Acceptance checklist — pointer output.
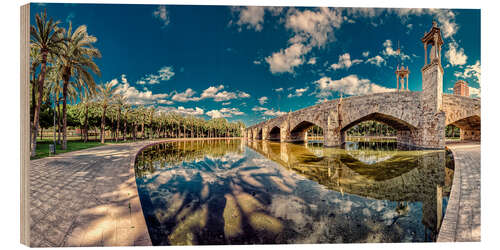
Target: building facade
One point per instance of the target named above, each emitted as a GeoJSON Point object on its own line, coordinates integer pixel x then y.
{"type": "Point", "coordinates": [461, 88]}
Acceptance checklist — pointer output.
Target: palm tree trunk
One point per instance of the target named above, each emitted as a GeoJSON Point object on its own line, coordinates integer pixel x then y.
{"type": "Point", "coordinates": [142, 130]}
{"type": "Point", "coordinates": [135, 131]}
{"type": "Point", "coordinates": [54, 121]}
{"type": "Point", "coordinates": [86, 137]}
{"type": "Point", "coordinates": [33, 99]}
{"type": "Point", "coordinates": [36, 115]}
{"type": "Point", "coordinates": [58, 122]}
{"type": "Point", "coordinates": [65, 94]}
{"type": "Point", "coordinates": [125, 128]}
{"type": "Point", "coordinates": [103, 120]}
{"type": "Point", "coordinates": [118, 124]}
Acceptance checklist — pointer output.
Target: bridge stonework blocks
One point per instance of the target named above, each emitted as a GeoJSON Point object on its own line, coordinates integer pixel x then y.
{"type": "Point", "coordinates": [405, 111]}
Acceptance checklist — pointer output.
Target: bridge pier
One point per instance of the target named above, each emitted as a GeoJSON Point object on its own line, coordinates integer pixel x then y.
{"type": "Point", "coordinates": [334, 138]}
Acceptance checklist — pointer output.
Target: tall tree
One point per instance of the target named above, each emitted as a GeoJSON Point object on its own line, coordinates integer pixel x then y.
{"type": "Point", "coordinates": [77, 59]}
{"type": "Point", "coordinates": [121, 100]}
{"type": "Point", "coordinates": [47, 37]}
{"type": "Point", "coordinates": [106, 92]}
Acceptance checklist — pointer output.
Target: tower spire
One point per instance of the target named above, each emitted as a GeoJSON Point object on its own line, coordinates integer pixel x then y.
{"type": "Point", "coordinates": [401, 73]}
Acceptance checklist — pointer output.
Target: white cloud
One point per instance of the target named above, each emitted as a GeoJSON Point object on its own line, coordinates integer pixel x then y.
{"type": "Point", "coordinates": [286, 60]}
{"type": "Point", "coordinates": [366, 53]}
{"type": "Point", "coordinates": [263, 100]}
{"type": "Point", "coordinates": [312, 61]}
{"type": "Point", "coordinates": [137, 97]}
{"type": "Point", "coordinates": [256, 108]}
{"type": "Point", "coordinates": [349, 85]}
{"type": "Point", "coordinates": [389, 51]}
{"type": "Point", "coordinates": [252, 17]}
{"type": "Point", "coordinates": [345, 62]}
{"type": "Point", "coordinates": [242, 94]}
{"type": "Point", "coordinates": [211, 92]}
{"type": "Point", "coordinates": [187, 95]}
{"type": "Point", "coordinates": [471, 72]}
{"type": "Point", "coordinates": [224, 112]}
{"type": "Point", "coordinates": [298, 92]}
{"type": "Point", "coordinates": [278, 89]}
{"type": "Point", "coordinates": [181, 110]}
{"type": "Point", "coordinates": [314, 28]}
{"type": "Point", "coordinates": [271, 112]}
{"type": "Point", "coordinates": [474, 92]}
{"type": "Point", "coordinates": [257, 62]}
{"type": "Point", "coordinates": [163, 74]}
{"type": "Point", "coordinates": [226, 103]}
{"type": "Point", "coordinates": [165, 102]}
{"type": "Point", "coordinates": [217, 95]}
{"type": "Point", "coordinates": [268, 112]}
{"type": "Point", "coordinates": [455, 56]}
{"type": "Point", "coordinates": [445, 18]}
{"type": "Point", "coordinates": [311, 29]}
{"type": "Point", "coordinates": [162, 14]}
{"type": "Point", "coordinates": [376, 60]}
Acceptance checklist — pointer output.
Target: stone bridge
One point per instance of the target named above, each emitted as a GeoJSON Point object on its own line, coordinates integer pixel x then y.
{"type": "Point", "coordinates": [420, 118]}
{"type": "Point", "coordinates": [404, 111]}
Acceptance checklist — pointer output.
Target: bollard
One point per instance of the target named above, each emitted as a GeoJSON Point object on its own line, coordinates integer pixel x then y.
{"type": "Point", "coordinates": [52, 149]}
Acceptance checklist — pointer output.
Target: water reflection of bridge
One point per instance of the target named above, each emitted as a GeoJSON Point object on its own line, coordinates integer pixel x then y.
{"type": "Point", "coordinates": [404, 176]}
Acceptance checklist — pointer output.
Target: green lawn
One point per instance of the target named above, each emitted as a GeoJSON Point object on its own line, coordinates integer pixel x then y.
{"type": "Point", "coordinates": [42, 147]}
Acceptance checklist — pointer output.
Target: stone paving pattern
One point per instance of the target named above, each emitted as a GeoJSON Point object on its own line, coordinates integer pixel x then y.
{"type": "Point", "coordinates": [462, 221]}
{"type": "Point", "coordinates": [87, 198]}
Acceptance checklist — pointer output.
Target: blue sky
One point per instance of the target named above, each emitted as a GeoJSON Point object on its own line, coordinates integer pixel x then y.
{"type": "Point", "coordinates": [253, 63]}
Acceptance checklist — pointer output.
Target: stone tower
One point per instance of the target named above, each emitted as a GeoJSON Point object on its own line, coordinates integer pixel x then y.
{"type": "Point", "coordinates": [432, 72]}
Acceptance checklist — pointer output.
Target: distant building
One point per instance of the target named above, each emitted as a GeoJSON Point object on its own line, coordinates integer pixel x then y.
{"type": "Point", "coordinates": [461, 88]}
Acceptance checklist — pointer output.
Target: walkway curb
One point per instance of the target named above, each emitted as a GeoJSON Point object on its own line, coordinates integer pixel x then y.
{"type": "Point", "coordinates": [462, 221]}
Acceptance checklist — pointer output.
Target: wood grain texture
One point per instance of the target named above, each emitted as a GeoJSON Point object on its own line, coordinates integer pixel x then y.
{"type": "Point", "coordinates": [25, 151]}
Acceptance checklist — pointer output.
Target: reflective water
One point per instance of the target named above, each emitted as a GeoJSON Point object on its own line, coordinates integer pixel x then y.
{"type": "Point", "coordinates": [238, 192]}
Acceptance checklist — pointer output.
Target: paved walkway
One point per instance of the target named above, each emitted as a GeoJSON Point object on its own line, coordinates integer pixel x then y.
{"type": "Point", "coordinates": [87, 198]}
{"type": "Point", "coordinates": [462, 221]}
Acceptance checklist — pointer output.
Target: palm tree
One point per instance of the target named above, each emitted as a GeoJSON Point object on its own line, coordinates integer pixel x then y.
{"type": "Point", "coordinates": [77, 61]}
{"type": "Point", "coordinates": [35, 58]}
{"type": "Point", "coordinates": [46, 37]}
{"type": "Point", "coordinates": [151, 112]}
{"type": "Point", "coordinates": [126, 109]}
{"type": "Point", "coordinates": [121, 100]}
{"type": "Point", "coordinates": [85, 99]}
{"type": "Point", "coordinates": [106, 92]}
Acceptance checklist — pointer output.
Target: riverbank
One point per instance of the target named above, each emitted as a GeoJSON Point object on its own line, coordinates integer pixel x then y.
{"type": "Point", "coordinates": [462, 221]}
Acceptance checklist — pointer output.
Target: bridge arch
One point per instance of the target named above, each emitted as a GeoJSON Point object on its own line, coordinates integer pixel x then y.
{"type": "Point", "coordinates": [299, 131]}
{"type": "Point", "coordinates": [389, 120]}
{"type": "Point", "coordinates": [470, 127]}
{"type": "Point", "coordinates": [274, 133]}
{"type": "Point", "coordinates": [405, 131]}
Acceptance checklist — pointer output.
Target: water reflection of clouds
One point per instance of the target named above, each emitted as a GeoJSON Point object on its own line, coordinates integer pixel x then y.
{"type": "Point", "coordinates": [244, 197]}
